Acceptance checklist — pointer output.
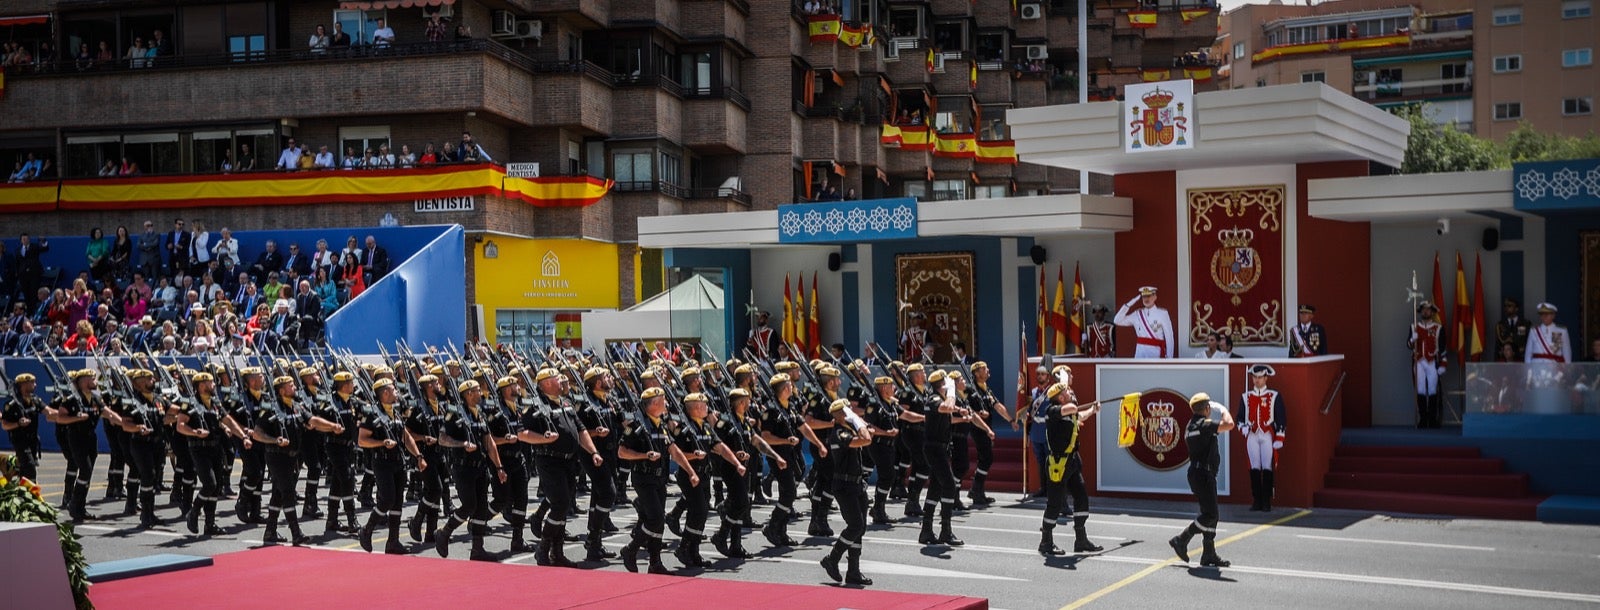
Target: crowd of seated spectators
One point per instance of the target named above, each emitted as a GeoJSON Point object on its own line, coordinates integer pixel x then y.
{"type": "Point", "coordinates": [31, 166]}
{"type": "Point", "coordinates": [298, 157]}
{"type": "Point", "coordinates": [180, 292]}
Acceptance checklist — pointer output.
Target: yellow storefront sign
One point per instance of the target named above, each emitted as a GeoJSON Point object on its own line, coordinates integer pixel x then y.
{"type": "Point", "coordinates": [547, 274]}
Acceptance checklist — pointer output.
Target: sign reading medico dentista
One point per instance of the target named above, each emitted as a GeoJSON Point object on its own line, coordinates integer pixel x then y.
{"type": "Point", "coordinates": [446, 204]}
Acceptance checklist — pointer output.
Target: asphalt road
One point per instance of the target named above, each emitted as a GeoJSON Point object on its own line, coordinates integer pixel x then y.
{"type": "Point", "coordinates": [1291, 558]}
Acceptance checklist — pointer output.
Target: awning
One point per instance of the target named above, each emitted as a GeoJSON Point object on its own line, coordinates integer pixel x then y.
{"type": "Point", "coordinates": [24, 20]}
{"type": "Point", "coordinates": [383, 4]}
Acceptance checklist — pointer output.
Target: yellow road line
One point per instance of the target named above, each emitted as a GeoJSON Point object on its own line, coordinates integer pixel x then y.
{"type": "Point", "coordinates": [1087, 599]}
{"type": "Point", "coordinates": [91, 488]}
{"type": "Point", "coordinates": [357, 544]}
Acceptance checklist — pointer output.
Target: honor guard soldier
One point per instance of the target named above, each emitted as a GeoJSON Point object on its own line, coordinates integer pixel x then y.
{"type": "Point", "coordinates": [647, 442]}
{"type": "Point", "coordinates": [347, 410]}
{"type": "Point", "coordinates": [1100, 336]}
{"type": "Point", "coordinates": [557, 436]}
{"type": "Point", "coordinates": [1261, 420]}
{"type": "Point", "coordinates": [1063, 473]}
{"type": "Point", "coordinates": [384, 434]}
{"type": "Point", "coordinates": [761, 337]}
{"type": "Point", "coordinates": [472, 455]}
{"type": "Point", "coordinates": [1152, 325]}
{"type": "Point", "coordinates": [142, 420]}
{"type": "Point", "coordinates": [883, 412]}
{"type": "Point", "coordinates": [914, 342]}
{"type": "Point", "coordinates": [20, 418]}
{"type": "Point", "coordinates": [845, 448]}
{"type": "Point", "coordinates": [1204, 459]}
{"type": "Point", "coordinates": [1512, 330]}
{"type": "Point", "coordinates": [77, 415]}
{"type": "Point", "coordinates": [697, 441]}
{"type": "Point", "coordinates": [1307, 338]}
{"type": "Point", "coordinates": [1428, 360]}
{"type": "Point", "coordinates": [203, 420]}
{"type": "Point", "coordinates": [424, 421]}
{"type": "Point", "coordinates": [942, 413]}
{"type": "Point", "coordinates": [1548, 342]}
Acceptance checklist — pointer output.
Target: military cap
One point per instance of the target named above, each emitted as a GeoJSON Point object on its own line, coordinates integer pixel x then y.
{"type": "Point", "coordinates": [427, 379]}
{"type": "Point", "coordinates": [139, 374]}
{"type": "Point", "coordinates": [650, 393]}
{"type": "Point", "coordinates": [468, 386]}
{"type": "Point", "coordinates": [381, 384]}
{"type": "Point", "coordinates": [936, 376]}
{"type": "Point", "coordinates": [779, 379]}
{"type": "Point", "coordinates": [737, 393]}
{"type": "Point", "coordinates": [883, 380]}
{"type": "Point", "coordinates": [1262, 370]}
{"type": "Point", "coordinates": [201, 377]}
{"type": "Point", "coordinates": [505, 381]}
{"type": "Point", "coordinates": [593, 372]}
{"type": "Point", "coordinates": [546, 373]}
{"type": "Point", "coordinates": [343, 376]}
{"type": "Point", "coordinates": [694, 397]}
{"type": "Point", "coordinates": [281, 379]}
{"type": "Point", "coordinates": [839, 405]}
{"type": "Point", "coordinates": [23, 378]}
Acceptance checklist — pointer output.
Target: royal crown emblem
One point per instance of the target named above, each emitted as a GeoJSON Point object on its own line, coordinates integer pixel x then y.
{"type": "Point", "coordinates": [1235, 266]}
{"type": "Point", "coordinates": [935, 302]}
{"type": "Point", "coordinates": [1157, 99]}
{"type": "Point", "coordinates": [1160, 445]}
{"type": "Point", "coordinates": [1160, 122]}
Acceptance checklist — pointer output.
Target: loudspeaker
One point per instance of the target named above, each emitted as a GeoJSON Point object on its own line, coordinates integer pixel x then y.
{"type": "Point", "coordinates": [833, 261]}
{"type": "Point", "coordinates": [1491, 239]}
{"type": "Point", "coordinates": [1037, 254]}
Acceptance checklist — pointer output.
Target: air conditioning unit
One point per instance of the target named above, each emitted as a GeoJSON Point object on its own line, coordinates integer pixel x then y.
{"type": "Point", "coordinates": [533, 29]}
{"type": "Point", "coordinates": [1031, 11]}
{"type": "Point", "coordinates": [504, 24]}
{"type": "Point", "coordinates": [891, 51]}
{"type": "Point", "coordinates": [1038, 51]}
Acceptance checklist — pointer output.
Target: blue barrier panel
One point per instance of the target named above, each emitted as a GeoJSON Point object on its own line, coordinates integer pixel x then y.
{"type": "Point", "coordinates": [422, 300]}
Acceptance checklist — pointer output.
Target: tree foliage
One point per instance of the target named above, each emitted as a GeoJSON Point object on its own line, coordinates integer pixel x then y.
{"type": "Point", "coordinates": [1526, 144]}
{"type": "Point", "coordinates": [1435, 148]}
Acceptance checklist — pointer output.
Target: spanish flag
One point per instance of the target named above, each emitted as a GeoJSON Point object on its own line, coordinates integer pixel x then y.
{"type": "Point", "coordinates": [1461, 334]}
{"type": "Point", "coordinates": [1142, 19]}
{"type": "Point", "coordinates": [973, 79]}
{"type": "Point", "coordinates": [890, 135]}
{"type": "Point", "coordinates": [930, 61]}
{"type": "Point", "coordinates": [1058, 315]}
{"type": "Point", "coordinates": [997, 151]}
{"type": "Point", "coordinates": [824, 28]}
{"type": "Point", "coordinates": [957, 145]}
{"type": "Point", "coordinates": [1191, 14]}
{"type": "Point", "coordinates": [814, 336]}
{"type": "Point", "coordinates": [1128, 424]}
{"type": "Point", "coordinates": [1075, 321]}
{"type": "Point", "coordinates": [851, 36]}
{"type": "Point", "coordinates": [788, 313]}
{"type": "Point", "coordinates": [2, 82]}
{"type": "Point", "coordinates": [1153, 75]}
{"type": "Point", "coordinates": [916, 137]}
{"type": "Point", "coordinates": [1198, 74]}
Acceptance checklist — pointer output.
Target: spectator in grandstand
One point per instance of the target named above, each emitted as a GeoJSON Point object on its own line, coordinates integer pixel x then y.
{"type": "Point", "coordinates": [82, 341]}
{"type": "Point", "coordinates": [178, 242]}
{"type": "Point", "coordinates": [308, 161]}
{"type": "Point", "coordinates": [246, 161]}
{"type": "Point", "coordinates": [375, 260]}
{"type": "Point", "coordinates": [463, 32]}
{"type": "Point", "coordinates": [103, 56]}
{"type": "Point", "coordinates": [139, 286]}
{"type": "Point", "coordinates": [406, 158]}
{"type": "Point", "coordinates": [471, 150]}
{"type": "Point", "coordinates": [339, 39]}
{"type": "Point", "coordinates": [448, 154]}
{"type": "Point", "coordinates": [308, 305]}
{"type": "Point", "coordinates": [297, 261]}
{"type": "Point", "coordinates": [84, 59]}
{"type": "Point", "coordinates": [324, 158]}
{"type": "Point", "coordinates": [273, 289]}
{"type": "Point", "coordinates": [429, 157]}
{"type": "Point", "coordinates": [165, 292]}
{"type": "Point", "coordinates": [435, 30]}
{"type": "Point", "coordinates": [269, 261]}
{"type": "Point", "coordinates": [289, 159]}
{"type": "Point", "coordinates": [200, 249]}
{"type": "Point", "coordinates": [149, 250]}
{"type": "Point", "coordinates": [129, 167]}
{"type": "Point", "coordinates": [353, 275]}
{"type": "Point", "coordinates": [169, 347]}
{"type": "Point", "coordinates": [249, 299]}
{"type": "Point", "coordinates": [98, 251]}
{"type": "Point", "coordinates": [351, 246]}
{"type": "Point", "coordinates": [134, 304]}
{"type": "Point", "coordinates": [121, 253]}
{"type": "Point", "coordinates": [203, 340]}
{"type": "Point", "coordinates": [55, 338]}
{"type": "Point", "coordinates": [326, 290]}
{"type": "Point", "coordinates": [208, 289]}
{"type": "Point", "coordinates": [322, 258]}
{"type": "Point", "coordinates": [78, 302]}
{"type": "Point", "coordinates": [226, 249]}
{"type": "Point", "coordinates": [135, 54]}
{"type": "Point", "coordinates": [110, 169]}
{"type": "Point", "coordinates": [383, 36]}
{"type": "Point", "coordinates": [351, 159]}
{"type": "Point", "coordinates": [160, 44]}
{"type": "Point", "coordinates": [319, 42]}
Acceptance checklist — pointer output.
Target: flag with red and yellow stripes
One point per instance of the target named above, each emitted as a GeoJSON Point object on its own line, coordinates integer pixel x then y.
{"type": "Point", "coordinates": [824, 28]}
{"type": "Point", "coordinates": [1142, 19]}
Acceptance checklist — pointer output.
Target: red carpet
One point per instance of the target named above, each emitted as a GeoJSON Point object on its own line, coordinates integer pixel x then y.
{"type": "Point", "coordinates": [1427, 480]}
{"type": "Point", "coordinates": [286, 577]}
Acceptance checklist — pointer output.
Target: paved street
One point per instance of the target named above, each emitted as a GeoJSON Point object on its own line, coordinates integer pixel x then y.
{"type": "Point", "coordinates": [1289, 558]}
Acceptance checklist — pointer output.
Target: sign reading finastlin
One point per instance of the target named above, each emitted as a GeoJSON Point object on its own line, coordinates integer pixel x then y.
{"type": "Point", "coordinates": [1158, 116]}
{"type": "Point", "coordinates": [1556, 185]}
{"type": "Point", "coordinates": [847, 221]}
{"type": "Point", "coordinates": [522, 170]}
{"type": "Point", "coordinates": [446, 204]}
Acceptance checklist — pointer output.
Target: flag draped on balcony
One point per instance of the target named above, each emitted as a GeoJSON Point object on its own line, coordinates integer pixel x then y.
{"type": "Point", "coordinates": [1142, 19]}
{"type": "Point", "coordinates": [997, 151]}
{"type": "Point", "coordinates": [1191, 14]}
{"type": "Point", "coordinates": [824, 28]}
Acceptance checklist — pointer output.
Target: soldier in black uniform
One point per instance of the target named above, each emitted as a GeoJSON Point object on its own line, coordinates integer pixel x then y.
{"type": "Point", "coordinates": [845, 445]}
{"type": "Point", "coordinates": [77, 416]}
{"type": "Point", "coordinates": [465, 435]}
{"type": "Point", "coordinates": [423, 419]}
{"type": "Point", "coordinates": [697, 441]}
{"type": "Point", "coordinates": [943, 412]}
{"type": "Point", "coordinates": [345, 409]}
{"type": "Point", "coordinates": [552, 426]}
{"type": "Point", "coordinates": [281, 425]}
{"type": "Point", "coordinates": [1512, 329]}
{"type": "Point", "coordinates": [141, 420]}
{"type": "Point", "coordinates": [384, 434]}
{"type": "Point", "coordinates": [781, 428]}
{"type": "Point", "coordinates": [208, 427]}
{"type": "Point", "coordinates": [737, 430]}
{"type": "Point", "coordinates": [883, 412]}
{"type": "Point", "coordinates": [505, 421]}
{"type": "Point", "coordinates": [982, 402]}
{"type": "Point", "coordinates": [1063, 473]}
{"type": "Point", "coordinates": [227, 398]}
{"type": "Point", "coordinates": [183, 477]}
{"type": "Point", "coordinates": [1204, 459]}
{"type": "Point", "coordinates": [20, 418]}
{"type": "Point", "coordinates": [315, 455]}
{"type": "Point", "coordinates": [744, 377]}
{"type": "Point", "coordinates": [120, 485]}
{"type": "Point", "coordinates": [918, 399]}
{"type": "Point", "coordinates": [250, 402]}
{"type": "Point", "coordinates": [819, 421]}
{"type": "Point", "coordinates": [601, 413]}
{"type": "Point", "coordinates": [646, 439]}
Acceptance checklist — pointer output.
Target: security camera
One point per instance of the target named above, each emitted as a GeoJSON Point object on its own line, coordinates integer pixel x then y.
{"type": "Point", "coordinates": [1444, 227]}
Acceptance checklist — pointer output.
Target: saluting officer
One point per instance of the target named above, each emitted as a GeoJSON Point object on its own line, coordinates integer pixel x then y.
{"type": "Point", "coordinates": [1307, 338]}
{"type": "Point", "coordinates": [20, 418]}
{"type": "Point", "coordinates": [466, 436]}
{"type": "Point", "coordinates": [1063, 473]}
{"type": "Point", "coordinates": [646, 439]}
{"type": "Point", "coordinates": [1261, 420]}
{"type": "Point", "coordinates": [207, 426]}
{"type": "Point", "coordinates": [383, 434]}
{"type": "Point", "coordinates": [346, 409]}
{"type": "Point", "coordinates": [1204, 459]}
{"type": "Point", "coordinates": [1152, 325]}
{"type": "Point", "coordinates": [845, 449]}
{"type": "Point", "coordinates": [553, 428]}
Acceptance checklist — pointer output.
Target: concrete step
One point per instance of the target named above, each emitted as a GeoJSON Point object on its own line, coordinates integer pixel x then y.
{"type": "Point", "coordinates": [1471, 485]}
{"type": "Point", "coordinates": [1406, 452]}
{"type": "Point", "coordinates": [1525, 508]}
{"type": "Point", "coordinates": [1418, 465]}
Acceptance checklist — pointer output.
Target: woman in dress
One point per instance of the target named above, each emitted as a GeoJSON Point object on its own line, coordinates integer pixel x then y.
{"type": "Point", "coordinates": [353, 275]}
{"type": "Point", "coordinates": [99, 254]}
{"type": "Point", "coordinates": [121, 252]}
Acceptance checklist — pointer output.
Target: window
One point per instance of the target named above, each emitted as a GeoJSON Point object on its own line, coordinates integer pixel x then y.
{"type": "Point", "coordinates": [991, 47]}
{"type": "Point", "coordinates": [1507, 111]}
{"type": "Point", "coordinates": [954, 116]}
{"type": "Point", "coordinates": [992, 124]}
{"type": "Point", "coordinates": [918, 190]}
{"type": "Point", "coordinates": [695, 75]}
{"type": "Point", "coordinates": [574, 157]}
{"type": "Point", "coordinates": [1508, 63]}
{"type": "Point", "coordinates": [950, 36]}
{"type": "Point", "coordinates": [992, 191]}
{"type": "Point", "coordinates": [1509, 15]}
{"type": "Point", "coordinates": [1449, 72]}
{"type": "Point", "coordinates": [1577, 105]}
{"type": "Point", "coordinates": [949, 190]}
{"type": "Point", "coordinates": [1238, 50]}
{"type": "Point", "coordinates": [1575, 9]}
{"type": "Point", "coordinates": [905, 22]}
{"type": "Point", "coordinates": [353, 140]}
{"type": "Point", "coordinates": [1314, 77]}
{"type": "Point", "coordinates": [671, 169]}
{"type": "Point", "coordinates": [533, 328]}
{"type": "Point", "coordinates": [1574, 58]}
{"type": "Point", "coordinates": [1390, 82]}
{"type": "Point", "coordinates": [632, 170]}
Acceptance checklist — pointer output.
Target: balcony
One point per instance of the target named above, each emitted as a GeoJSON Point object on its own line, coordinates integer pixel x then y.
{"type": "Point", "coordinates": [716, 124]}
{"type": "Point", "coordinates": [477, 75]}
{"type": "Point", "coordinates": [660, 13]}
{"type": "Point", "coordinates": [596, 12]}
{"type": "Point", "coordinates": [574, 95]}
{"type": "Point", "coordinates": [716, 199]}
{"type": "Point", "coordinates": [714, 20]}
{"type": "Point", "coordinates": [1400, 91]}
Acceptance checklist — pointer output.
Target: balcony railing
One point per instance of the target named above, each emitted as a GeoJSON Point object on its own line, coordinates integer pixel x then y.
{"type": "Point", "coordinates": [212, 60]}
{"type": "Point", "coordinates": [727, 93]}
{"type": "Point", "coordinates": [720, 192]}
{"type": "Point", "coordinates": [653, 186]}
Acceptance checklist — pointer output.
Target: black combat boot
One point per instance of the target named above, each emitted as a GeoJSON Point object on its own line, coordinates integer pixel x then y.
{"type": "Point", "coordinates": [394, 546]}
{"type": "Point", "coordinates": [853, 576]}
{"type": "Point", "coordinates": [1047, 540]}
{"type": "Point", "coordinates": [1082, 543]}
{"type": "Point", "coordinates": [830, 564]}
{"type": "Point", "coordinates": [441, 538]}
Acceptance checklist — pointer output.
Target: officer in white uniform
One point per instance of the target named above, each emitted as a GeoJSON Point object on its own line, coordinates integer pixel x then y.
{"type": "Point", "coordinates": [1152, 326]}
{"type": "Point", "coordinates": [1548, 341]}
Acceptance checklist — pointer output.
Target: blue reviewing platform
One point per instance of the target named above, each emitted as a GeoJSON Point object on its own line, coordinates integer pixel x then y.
{"type": "Point", "coordinates": [107, 571]}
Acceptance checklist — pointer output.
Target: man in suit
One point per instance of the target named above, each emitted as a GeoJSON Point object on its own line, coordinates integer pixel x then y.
{"type": "Point", "coordinates": [8, 339]}
{"type": "Point", "coordinates": [959, 355]}
{"type": "Point", "coordinates": [29, 268]}
{"type": "Point", "coordinates": [297, 262]}
{"type": "Point", "coordinates": [178, 242]}
{"type": "Point", "coordinates": [281, 331]}
{"type": "Point", "coordinates": [376, 261]}
{"type": "Point", "coordinates": [269, 261]}
{"type": "Point", "coordinates": [309, 307]}
{"type": "Point", "coordinates": [150, 250]}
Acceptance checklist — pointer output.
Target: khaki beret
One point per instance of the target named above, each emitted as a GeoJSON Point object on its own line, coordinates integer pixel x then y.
{"type": "Point", "coordinates": [980, 365]}
{"type": "Point", "coordinates": [828, 370]}
{"type": "Point", "coordinates": [81, 373]}
{"type": "Point", "coordinates": [546, 373]}
{"type": "Point", "coordinates": [839, 405]}
{"type": "Point", "coordinates": [744, 369]}
{"type": "Point", "coordinates": [23, 378]}
{"type": "Point", "coordinates": [282, 379]}
{"type": "Point", "coordinates": [427, 379]}
{"type": "Point", "coordinates": [343, 376]}
{"type": "Point", "coordinates": [695, 397]}
{"type": "Point", "coordinates": [915, 367]}
{"type": "Point", "coordinates": [505, 381]}
{"type": "Point", "coordinates": [1198, 398]}
{"type": "Point", "coordinates": [1055, 389]}
{"type": "Point", "coordinates": [468, 386]}
{"type": "Point", "coordinates": [690, 371]}
{"type": "Point", "coordinates": [779, 379]}
{"type": "Point", "coordinates": [201, 377]}
{"type": "Point", "coordinates": [308, 371]}
{"type": "Point", "coordinates": [883, 380]}
{"type": "Point", "coordinates": [382, 383]}
{"type": "Point", "coordinates": [650, 393]}
{"type": "Point", "coordinates": [937, 376]}
{"type": "Point", "coordinates": [737, 393]}
{"type": "Point", "coordinates": [139, 374]}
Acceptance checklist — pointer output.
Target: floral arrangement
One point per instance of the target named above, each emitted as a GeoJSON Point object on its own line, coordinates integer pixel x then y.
{"type": "Point", "coordinates": [21, 501]}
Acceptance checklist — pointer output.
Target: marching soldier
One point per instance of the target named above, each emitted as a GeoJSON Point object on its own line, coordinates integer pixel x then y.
{"type": "Point", "coordinates": [781, 428]}
{"type": "Point", "coordinates": [384, 435]}
{"type": "Point", "coordinates": [1261, 420]}
{"type": "Point", "coordinates": [505, 421]}
{"type": "Point", "coordinates": [1307, 338]}
{"type": "Point", "coordinates": [942, 413]}
{"type": "Point", "coordinates": [982, 402]}
{"type": "Point", "coordinates": [819, 421]}
{"type": "Point", "coordinates": [1152, 325]}
{"type": "Point", "coordinates": [1100, 336]}
{"type": "Point", "coordinates": [697, 441]}
{"type": "Point", "coordinates": [737, 430]}
{"type": "Point", "coordinates": [1428, 360]}
{"type": "Point", "coordinates": [20, 418]}
{"type": "Point", "coordinates": [602, 413]}
{"type": "Point", "coordinates": [141, 419]}
{"type": "Point", "coordinates": [1512, 329]}
{"type": "Point", "coordinates": [77, 416]}
{"type": "Point", "coordinates": [845, 448]}
{"type": "Point", "coordinates": [1064, 468]}
{"type": "Point", "coordinates": [203, 420]}
{"type": "Point", "coordinates": [1204, 459]}
{"type": "Point", "coordinates": [251, 402]}
{"type": "Point", "coordinates": [1548, 342]}
{"type": "Point", "coordinates": [883, 412]}
{"type": "Point", "coordinates": [424, 421]}
{"type": "Point", "coordinates": [646, 439]}
{"type": "Point", "coordinates": [464, 434]}
{"type": "Point", "coordinates": [917, 399]}
{"type": "Point", "coordinates": [228, 399]}
{"type": "Point", "coordinates": [553, 428]}
{"type": "Point", "coordinates": [347, 410]}
{"type": "Point", "coordinates": [315, 457]}
{"type": "Point", "coordinates": [281, 424]}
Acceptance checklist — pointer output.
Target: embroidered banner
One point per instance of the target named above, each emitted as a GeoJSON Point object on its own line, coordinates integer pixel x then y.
{"type": "Point", "coordinates": [1236, 263]}
{"type": "Point", "coordinates": [939, 286]}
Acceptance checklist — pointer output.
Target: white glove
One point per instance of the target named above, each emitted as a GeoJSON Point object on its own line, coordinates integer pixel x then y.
{"type": "Point", "coordinates": [1244, 429]}
{"type": "Point", "coordinates": [1441, 370]}
{"type": "Point", "coordinates": [1135, 301]}
{"type": "Point", "coordinates": [1277, 444]}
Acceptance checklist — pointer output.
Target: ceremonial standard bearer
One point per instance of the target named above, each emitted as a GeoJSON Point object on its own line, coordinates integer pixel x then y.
{"type": "Point", "coordinates": [1428, 360]}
